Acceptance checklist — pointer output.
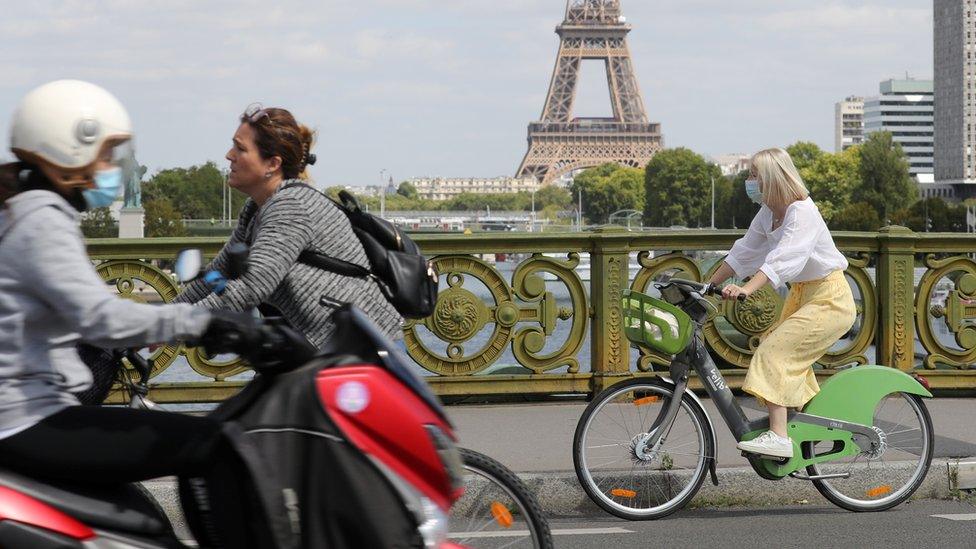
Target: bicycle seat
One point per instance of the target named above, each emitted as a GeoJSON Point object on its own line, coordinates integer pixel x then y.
{"type": "Point", "coordinates": [118, 507]}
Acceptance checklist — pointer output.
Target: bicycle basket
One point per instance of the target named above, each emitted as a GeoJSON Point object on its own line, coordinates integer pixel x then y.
{"type": "Point", "coordinates": [654, 323]}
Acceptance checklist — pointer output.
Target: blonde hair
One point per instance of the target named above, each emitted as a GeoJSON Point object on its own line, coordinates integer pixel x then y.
{"type": "Point", "coordinates": [781, 183]}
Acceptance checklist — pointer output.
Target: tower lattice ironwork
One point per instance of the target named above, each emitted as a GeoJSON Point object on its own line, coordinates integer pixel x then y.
{"type": "Point", "coordinates": [560, 143]}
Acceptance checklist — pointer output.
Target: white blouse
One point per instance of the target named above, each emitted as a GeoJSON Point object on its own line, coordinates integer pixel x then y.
{"type": "Point", "coordinates": [800, 249]}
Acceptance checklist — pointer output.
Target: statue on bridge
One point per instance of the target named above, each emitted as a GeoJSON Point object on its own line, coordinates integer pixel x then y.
{"type": "Point", "coordinates": [133, 184]}
{"type": "Point", "coordinates": [132, 216]}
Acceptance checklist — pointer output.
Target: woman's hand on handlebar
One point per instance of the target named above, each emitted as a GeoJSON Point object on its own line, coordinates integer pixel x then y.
{"type": "Point", "coordinates": [732, 291]}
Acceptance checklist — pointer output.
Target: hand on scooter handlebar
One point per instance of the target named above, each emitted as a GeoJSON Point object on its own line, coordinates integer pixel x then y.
{"type": "Point", "coordinates": [229, 332]}
{"type": "Point", "coordinates": [267, 344]}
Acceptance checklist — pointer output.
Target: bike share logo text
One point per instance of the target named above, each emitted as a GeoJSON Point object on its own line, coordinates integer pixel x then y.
{"type": "Point", "coordinates": [716, 381]}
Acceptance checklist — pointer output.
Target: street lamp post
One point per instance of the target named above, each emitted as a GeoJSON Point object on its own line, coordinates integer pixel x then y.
{"type": "Point", "coordinates": [532, 229]}
{"type": "Point", "coordinates": [579, 214]}
{"type": "Point", "coordinates": [713, 202]}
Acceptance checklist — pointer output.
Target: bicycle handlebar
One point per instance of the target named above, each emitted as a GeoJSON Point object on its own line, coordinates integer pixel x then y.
{"type": "Point", "coordinates": [704, 289]}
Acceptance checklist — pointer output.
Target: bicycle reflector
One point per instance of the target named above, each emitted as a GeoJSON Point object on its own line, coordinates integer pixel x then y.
{"type": "Point", "coordinates": [502, 515]}
{"type": "Point", "coordinates": [655, 323]}
{"type": "Point", "coordinates": [879, 491]}
{"type": "Point", "coordinates": [622, 493]}
{"type": "Point", "coordinates": [646, 400]}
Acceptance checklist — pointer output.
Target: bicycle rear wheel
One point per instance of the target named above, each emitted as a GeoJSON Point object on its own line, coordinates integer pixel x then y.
{"type": "Point", "coordinates": [497, 510]}
{"type": "Point", "coordinates": [620, 472]}
{"type": "Point", "coordinates": [889, 474]}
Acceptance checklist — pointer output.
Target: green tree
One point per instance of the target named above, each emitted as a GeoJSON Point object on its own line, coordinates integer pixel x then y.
{"type": "Point", "coordinates": [804, 154]}
{"type": "Point", "coordinates": [407, 190]}
{"type": "Point", "coordinates": [198, 190]}
{"type": "Point", "coordinates": [609, 188]}
{"type": "Point", "coordinates": [740, 209]}
{"type": "Point", "coordinates": [723, 197]}
{"type": "Point", "coordinates": [476, 201]}
{"type": "Point", "coordinates": [832, 180]}
{"type": "Point", "coordinates": [941, 216]}
{"type": "Point", "coordinates": [163, 219]}
{"type": "Point", "coordinates": [333, 192]}
{"type": "Point", "coordinates": [677, 186]}
{"type": "Point", "coordinates": [859, 216]}
{"type": "Point", "coordinates": [553, 195]}
{"type": "Point", "coordinates": [98, 223]}
{"type": "Point", "coordinates": [885, 180]}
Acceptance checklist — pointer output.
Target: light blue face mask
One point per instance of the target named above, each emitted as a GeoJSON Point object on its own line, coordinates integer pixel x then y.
{"type": "Point", "coordinates": [753, 192]}
{"type": "Point", "coordinates": [108, 183]}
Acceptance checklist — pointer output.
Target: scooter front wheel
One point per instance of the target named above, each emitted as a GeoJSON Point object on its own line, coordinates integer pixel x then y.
{"type": "Point", "coordinates": [621, 472]}
{"type": "Point", "coordinates": [888, 474]}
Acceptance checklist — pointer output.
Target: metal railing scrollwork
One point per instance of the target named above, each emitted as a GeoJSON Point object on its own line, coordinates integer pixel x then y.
{"type": "Point", "coordinates": [546, 317]}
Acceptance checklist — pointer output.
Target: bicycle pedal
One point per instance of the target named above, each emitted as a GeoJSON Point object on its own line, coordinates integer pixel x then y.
{"type": "Point", "coordinates": [775, 459]}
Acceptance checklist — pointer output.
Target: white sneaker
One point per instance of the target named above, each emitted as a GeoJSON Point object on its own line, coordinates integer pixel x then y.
{"type": "Point", "coordinates": [768, 444]}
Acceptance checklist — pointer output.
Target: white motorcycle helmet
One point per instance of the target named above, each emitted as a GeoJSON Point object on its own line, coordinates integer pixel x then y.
{"type": "Point", "coordinates": [66, 127]}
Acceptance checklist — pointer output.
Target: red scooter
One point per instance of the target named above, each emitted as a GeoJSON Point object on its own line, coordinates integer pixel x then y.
{"type": "Point", "coordinates": [351, 450]}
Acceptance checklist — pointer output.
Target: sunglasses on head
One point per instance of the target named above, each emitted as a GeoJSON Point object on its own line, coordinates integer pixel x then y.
{"type": "Point", "coordinates": [255, 112]}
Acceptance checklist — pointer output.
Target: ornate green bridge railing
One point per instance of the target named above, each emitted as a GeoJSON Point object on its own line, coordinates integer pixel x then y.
{"type": "Point", "coordinates": [548, 322]}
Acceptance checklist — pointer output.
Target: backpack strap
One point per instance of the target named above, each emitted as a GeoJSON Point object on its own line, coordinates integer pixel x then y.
{"type": "Point", "coordinates": [323, 261]}
{"type": "Point", "coordinates": [329, 263]}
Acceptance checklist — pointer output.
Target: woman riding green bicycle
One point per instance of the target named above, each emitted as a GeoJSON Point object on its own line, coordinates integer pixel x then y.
{"type": "Point", "coordinates": [788, 241]}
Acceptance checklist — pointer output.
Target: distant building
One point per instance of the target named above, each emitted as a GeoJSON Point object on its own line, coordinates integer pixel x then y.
{"type": "Point", "coordinates": [444, 188]}
{"type": "Point", "coordinates": [732, 164]}
{"type": "Point", "coordinates": [955, 78]}
{"type": "Point", "coordinates": [848, 122]}
{"type": "Point", "coordinates": [905, 108]}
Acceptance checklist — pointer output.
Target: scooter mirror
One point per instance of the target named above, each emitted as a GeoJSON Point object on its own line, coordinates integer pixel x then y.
{"type": "Point", "coordinates": [188, 264]}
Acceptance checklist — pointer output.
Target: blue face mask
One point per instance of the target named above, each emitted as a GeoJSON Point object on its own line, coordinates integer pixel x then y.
{"type": "Point", "coordinates": [108, 183]}
{"type": "Point", "coordinates": [753, 192]}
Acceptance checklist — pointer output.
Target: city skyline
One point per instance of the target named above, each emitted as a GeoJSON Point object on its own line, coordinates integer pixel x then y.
{"type": "Point", "coordinates": [419, 89]}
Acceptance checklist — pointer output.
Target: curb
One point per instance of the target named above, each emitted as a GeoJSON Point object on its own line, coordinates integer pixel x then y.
{"type": "Point", "coordinates": [560, 494]}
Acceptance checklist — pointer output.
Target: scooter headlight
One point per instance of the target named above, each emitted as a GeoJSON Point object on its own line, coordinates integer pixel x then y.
{"type": "Point", "coordinates": [434, 528]}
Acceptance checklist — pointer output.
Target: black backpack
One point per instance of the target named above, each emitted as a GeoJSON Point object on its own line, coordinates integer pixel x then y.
{"type": "Point", "coordinates": [404, 275]}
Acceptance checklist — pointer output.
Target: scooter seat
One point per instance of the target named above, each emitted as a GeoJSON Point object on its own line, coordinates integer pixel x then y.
{"type": "Point", "coordinates": [116, 507]}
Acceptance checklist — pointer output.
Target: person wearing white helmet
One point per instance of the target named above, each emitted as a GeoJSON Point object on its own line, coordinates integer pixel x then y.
{"type": "Point", "coordinates": [68, 137]}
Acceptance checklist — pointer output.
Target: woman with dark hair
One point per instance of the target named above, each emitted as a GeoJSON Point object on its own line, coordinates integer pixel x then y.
{"type": "Point", "coordinates": [284, 217]}
{"type": "Point", "coordinates": [69, 136]}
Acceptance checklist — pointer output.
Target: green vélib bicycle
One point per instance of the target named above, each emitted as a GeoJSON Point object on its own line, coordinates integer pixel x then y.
{"type": "Point", "coordinates": [643, 446]}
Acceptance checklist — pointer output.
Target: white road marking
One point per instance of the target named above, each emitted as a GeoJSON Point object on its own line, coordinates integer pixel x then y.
{"type": "Point", "coordinates": [963, 516]}
{"type": "Point", "coordinates": [562, 532]}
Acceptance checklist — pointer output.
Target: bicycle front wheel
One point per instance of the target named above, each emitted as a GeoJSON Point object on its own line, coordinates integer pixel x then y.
{"type": "Point", "coordinates": [497, 509]}
{"type": "Point", "coordinates": [616, 467]}
{"type": "Point", "coordinates": [889, 474]}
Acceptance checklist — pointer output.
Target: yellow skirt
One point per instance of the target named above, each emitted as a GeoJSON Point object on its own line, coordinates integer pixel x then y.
{"type": "Point", "coordinates": [816, 314]}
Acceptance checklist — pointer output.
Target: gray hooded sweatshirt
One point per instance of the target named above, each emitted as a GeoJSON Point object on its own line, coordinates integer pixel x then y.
{"type": "Point", "coordinates": [50, 299]}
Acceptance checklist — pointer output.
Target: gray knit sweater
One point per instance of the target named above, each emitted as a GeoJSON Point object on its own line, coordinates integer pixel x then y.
{"type": "Point", "coordinates": [294, 219]}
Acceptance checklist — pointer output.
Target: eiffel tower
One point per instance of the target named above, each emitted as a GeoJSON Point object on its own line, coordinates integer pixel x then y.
{"type": "Point", "coordinates": [560, 143]}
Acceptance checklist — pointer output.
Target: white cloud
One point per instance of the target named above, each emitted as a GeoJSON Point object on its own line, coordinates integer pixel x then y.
{"type": "Point", "coordinates": [374, 44]}
{"type": "Point", "coordinates": [818, 18]}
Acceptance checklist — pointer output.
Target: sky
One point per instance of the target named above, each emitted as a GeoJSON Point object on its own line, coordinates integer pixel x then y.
{"type": "Point", "coordinates": [414, 88]}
